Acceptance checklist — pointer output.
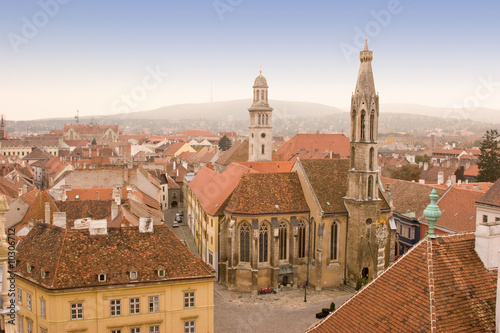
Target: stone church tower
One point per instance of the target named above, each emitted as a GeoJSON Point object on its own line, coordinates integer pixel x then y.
{"type": "Point", "coordinates": [362, 199]}
{"type": "Point", "coordinates": [260, 136]}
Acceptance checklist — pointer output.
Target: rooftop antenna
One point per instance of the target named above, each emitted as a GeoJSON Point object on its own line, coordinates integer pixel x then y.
{"type": "Point", "coordinates": [77, 117]}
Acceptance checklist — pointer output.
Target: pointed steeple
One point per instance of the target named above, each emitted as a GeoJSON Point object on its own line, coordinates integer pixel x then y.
{"type": "Point", "coordinates": [365, 83]}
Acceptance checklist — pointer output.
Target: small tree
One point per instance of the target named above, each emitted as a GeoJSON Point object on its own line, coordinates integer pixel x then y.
{"type": "Point", "coordinates": [224, 143]}
{"type": "Point", "coordinates": [489, 158]}
{"type": "Point", "coordinates": [423, 159]}
{"type": "Point", "coordinates": [407, 172]}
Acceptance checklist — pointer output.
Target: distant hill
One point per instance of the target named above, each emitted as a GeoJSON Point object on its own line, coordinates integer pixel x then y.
{"type": "Point", "coordinates": [237, 110]}
{"type": "Point", "coordinates": [476, 114]}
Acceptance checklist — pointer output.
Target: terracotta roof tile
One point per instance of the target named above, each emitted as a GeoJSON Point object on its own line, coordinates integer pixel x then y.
{"type": "Point", "coordinates": [192, 133]}
{"type": "Point", "coordinates": [492, 197]}
{"type": "Point", "coordinates": [269, 166]}
{"type": "Point", "coordinates": [328, 178]}
{"type": "Point", "coordinates": [282, 195]}
{"type": "Point", "coordinates": [458, 209]}
{"type": "Point", "coordinates": [74, 258]}
{"type": "Point", "coordinates": [96, 209]}
{"type": "Point", "coordinates": [338, 144]}
{"type": "Point", "coordinates": [237, 153]}
{"type": "Point", "coordinates": [472, 171]}
{"type": "Point", "coordinates": [399, 301]}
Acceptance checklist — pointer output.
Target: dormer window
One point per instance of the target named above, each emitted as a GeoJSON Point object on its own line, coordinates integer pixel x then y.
{"type": "Point", "coordinates": [77, 197]}
{"type": "Point", "coordinates": [101, 277]}
{"type": "Point", "coordinates": [161, 273]}
{"type": "Point", "coordinates": [43, 274]}
{"type": "Point", "coordinates": [28, 268]}
{"type": "Point", "coordinates": [133, 275]}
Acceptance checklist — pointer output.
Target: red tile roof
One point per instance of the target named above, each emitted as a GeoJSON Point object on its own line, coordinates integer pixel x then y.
{"type": "Point", "coordinates": [174, 147]}
{"type": "Point", "coordinates": [458, 209]}
{"type": "Point", "coordinates": [472, 171]}
{"type": "Point", "coordinates": [212, 189]}
{"type": "Point", "coordinates": [74, 258]}
{"type": "Point", "coordinates": [269, 166]}
{"type": "Point", "coordinates": [91, 129]}
{"type": "Point", "coordinates": [492, 197]}
{"type": "Point", "coordinates": [237, 153]}
{"type": "Point", "coordinates": [282, 195]}
{"type": "Point", "coordinates": [192, 133]}
{"type": "Point", "coordinates": [399, 300]}
{"type": "Point", "coordinates": [337, 143]}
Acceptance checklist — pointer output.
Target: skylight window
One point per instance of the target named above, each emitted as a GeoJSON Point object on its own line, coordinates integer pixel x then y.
{"type": "Point", "coordinates": [276, 206]}
{"type": "Point", "coordinates": [101, 277]}
{"type": "Point", "coordinates": [133, 275]}
{"type": "Point", "coordinates": [161, 273]}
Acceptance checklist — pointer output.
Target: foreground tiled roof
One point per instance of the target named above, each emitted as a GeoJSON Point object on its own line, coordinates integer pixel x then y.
{"type": "Point", "coordinates": [328, 178]}
{"type": "Point", "coordinates": [492, 197]}
{"type": "Point", "coordinates": [336, 143]}
{"type": "Point", "coordinates": [399, 300]}
{"type": "Point", "coordinates": [74, 258]}
{"type": "Point", "coordinates": [268, 193]}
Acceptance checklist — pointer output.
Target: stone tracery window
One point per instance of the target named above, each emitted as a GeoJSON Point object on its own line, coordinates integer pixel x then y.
{"type": "Point", "coordinates": [302, 239]}
{"type": "Point", "coordinates": [282, 234]}
{"type": "Point", "coordinates": [372, 126]}
{"type": "Point", "coordinates": [245, 243]}
{"type": "Point", "coordinates": [263, 242]}
{"type": "Point", "coordinates": [334, 230]}
{"type": "Point", "coordinates": [363, 114]}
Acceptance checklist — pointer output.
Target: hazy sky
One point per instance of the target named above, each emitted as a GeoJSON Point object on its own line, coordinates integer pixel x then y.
{"type": "Point", "coordinates": [105, 57]}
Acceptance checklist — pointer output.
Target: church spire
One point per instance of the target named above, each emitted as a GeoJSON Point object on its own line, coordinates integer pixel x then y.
{"type": "Point", "coordinates": [365, 83]}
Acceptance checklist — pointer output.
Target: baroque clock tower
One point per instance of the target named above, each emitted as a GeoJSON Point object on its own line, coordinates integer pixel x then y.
{"type": "Point", "coordinates": [260, 136]}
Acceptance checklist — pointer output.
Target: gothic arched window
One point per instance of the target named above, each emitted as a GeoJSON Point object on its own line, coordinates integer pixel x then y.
{"type": "Point", "coordinates": [372, 158]}
{"type": "Point", "coordinates": [370, 187]}
{"type": "Point", "coordinates": [245, 243]}
{"type": "Point", "coordinates": [282, 241]}
{"type": "Point", "coordinates": [263, 242]}
{"type": "Point", "coordinates": [334, 230]}
{"type": "Point", "coordinates": [354, 125]}
{"type": "Point", "coordinates": [302, 239]}
{"type": "Point", "coordinates": [363, 125]}
{"type": "Point", "coordinates": [372, 126]}
{"type": "Point", "coordinates": [353, 155]}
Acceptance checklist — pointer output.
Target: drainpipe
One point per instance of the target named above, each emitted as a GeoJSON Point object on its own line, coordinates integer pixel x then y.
{"type": "Point", "coordinates": [345, 252]}
{"type": "Point", "coordinates": [308, 259]}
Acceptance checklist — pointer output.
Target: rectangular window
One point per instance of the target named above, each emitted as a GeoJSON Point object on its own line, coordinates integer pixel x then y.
{"type": "Point", "coordinates": [497, 219]}
{"type": "Point", "coordinates": [29, 325]}
{"type": "Point", "coordinates": [42, 308]}
{"type": "Point", "coordinates": [28, 301]}
{"type": "Point", "coordinates": [412, 233]}
{"type": "Point", "coordinates": [135, 330]}
{"type": "Point", "coordinates": [115, 307]}
{"type": "Point", "coordinates": [485, 218]}
{"type": "Point", "coordinates": [135, 305]}
{"type": "Point", "coordinates": [212, 240]}
{"type": "Point", "coordinates": [189, 299]}
{"type": "Point", "coordinates": [76, 311]}
{"type": "Point", "coordinates": [21, 324]}
{"type": "Point", "coordinates": [154, 303]}
{"type": "Point", "coordinates": [19, 297]}
{"type": "Point", "coordinates": [116, 331]}
{"type": "Point", "coordinates": [154, 329]}
{"type": "Point", "coordinates": [189, 326]}
{"type": "Point", "coordinates": [210, 258]}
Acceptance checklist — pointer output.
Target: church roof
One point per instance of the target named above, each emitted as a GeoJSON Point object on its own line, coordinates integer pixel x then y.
{"type": "Point", "coordinates": [399, 301]}
{"type": "Point", "coordinates": [74, 258]}
{"type": "Point", "coordinates": [268, 193]}
{"type": "Point", "coordinates": [237, 153]}
{"type": "Point", "coordinates": [328, 178]}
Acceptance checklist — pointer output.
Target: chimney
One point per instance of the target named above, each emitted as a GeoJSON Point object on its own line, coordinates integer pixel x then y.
{"type": "Point", "coordinates": [145, 224]}
{"type": "Point", "coordinates": [47, 212]}
{"type": "Point", "coordinates": [114, 210]}
{"type": "Point", "coordinates": [20, 191]}
{"type": "Point", "coordinates": [25, 189]}
{"type": "Point", "coordinates": [426, 166]}
{"type": "Point", "coordinates": [421, 181]}
{"type": "Point", "coordinates": [440, 177]}
{"type": "Point", "coordinates": [447, 163]}
{"type": "Point", "coordinates": [175, 165]}
{"type": "Point", "coordinates": [98, 227]}
{"type": "Point", "coordinates": [488, 243]}
{"type": "Point", "coordinates": [60, 219]}
{"type": "Point", "coordinates": [420, 164]}
{"type": "Point", "coordinates": [453, 180]}
{"type": "Point", "coordinates": [117, 195]}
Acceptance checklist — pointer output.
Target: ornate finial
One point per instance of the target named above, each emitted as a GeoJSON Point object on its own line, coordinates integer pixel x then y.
{"type": "Point", "coordinates": [432, 213]}
{"type": "Point", "coordinates": [366, 44]}
{"type": "Point", "coordinates": [260, 69]}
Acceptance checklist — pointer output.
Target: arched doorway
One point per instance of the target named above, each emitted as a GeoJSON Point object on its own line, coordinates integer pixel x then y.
{"type": "Point", "coordinates": [174, 204]}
